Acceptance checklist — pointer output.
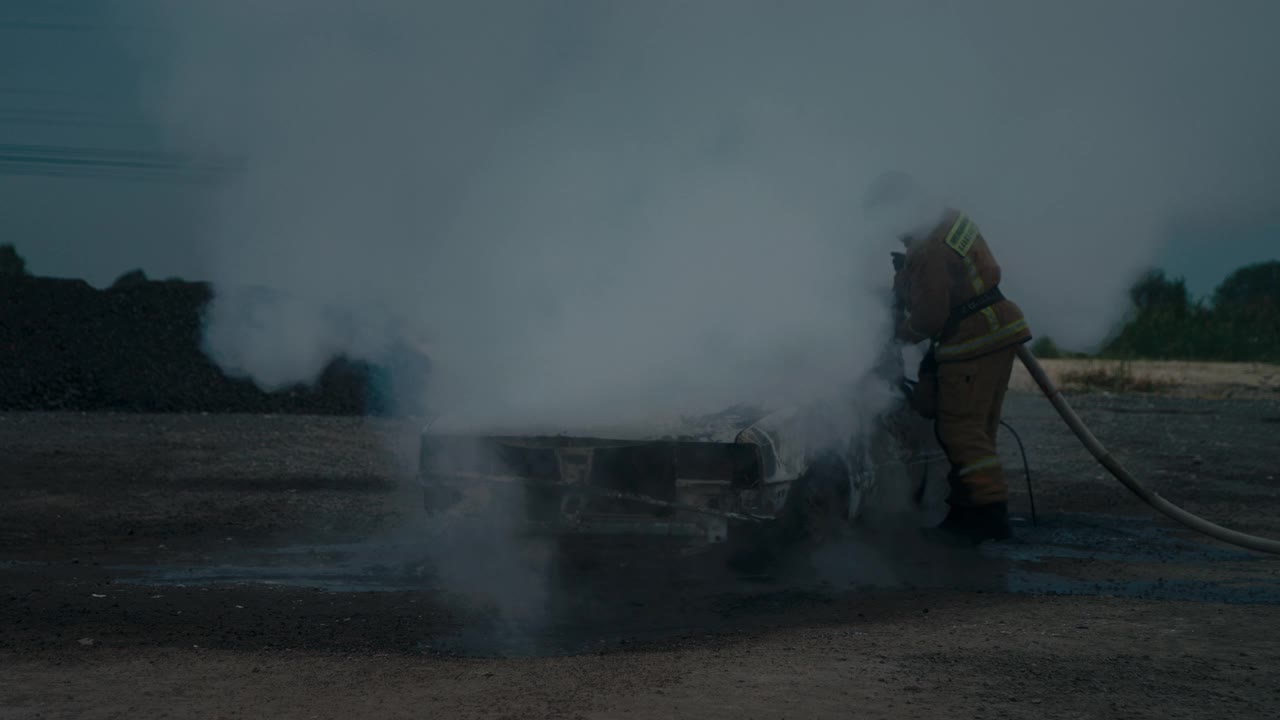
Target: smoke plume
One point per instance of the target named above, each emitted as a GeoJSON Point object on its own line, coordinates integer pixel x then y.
{"type": "Point", "coordinates": [582, 210]}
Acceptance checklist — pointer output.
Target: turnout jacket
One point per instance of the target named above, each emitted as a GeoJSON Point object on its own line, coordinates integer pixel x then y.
{"type": "Point", "coordinates": [944, 270]}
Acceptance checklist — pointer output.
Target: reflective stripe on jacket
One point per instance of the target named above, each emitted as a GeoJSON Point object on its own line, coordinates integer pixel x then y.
{"type": "Point", "coordinates": [950, 266]}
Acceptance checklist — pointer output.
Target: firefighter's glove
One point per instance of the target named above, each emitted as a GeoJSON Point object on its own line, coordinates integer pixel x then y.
{"type": "Point", "coordinates": [924, 398]}
{"type": "Point", "coordinates": [928, 365]}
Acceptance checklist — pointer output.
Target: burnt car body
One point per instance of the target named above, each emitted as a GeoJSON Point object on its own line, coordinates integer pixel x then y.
{"type": "Point", "coordinates": [736, 478]}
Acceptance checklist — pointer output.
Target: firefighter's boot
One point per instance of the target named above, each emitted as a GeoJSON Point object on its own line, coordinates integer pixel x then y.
{"type": "Point", "coordinates": [974, 524]}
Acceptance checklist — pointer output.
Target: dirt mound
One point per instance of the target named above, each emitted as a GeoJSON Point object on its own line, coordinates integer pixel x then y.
{"type": "Point", "coordinates": [136, 346]}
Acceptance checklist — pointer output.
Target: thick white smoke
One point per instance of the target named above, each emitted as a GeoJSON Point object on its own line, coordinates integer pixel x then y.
{"type": "Point", "coordinates": [591, 209]}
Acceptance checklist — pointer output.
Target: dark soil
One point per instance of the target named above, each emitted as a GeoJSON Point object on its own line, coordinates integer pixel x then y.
{"type": "Point", "coordinates": [273, 566]}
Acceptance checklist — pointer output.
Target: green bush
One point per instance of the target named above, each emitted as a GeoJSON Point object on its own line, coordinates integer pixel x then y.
{"type": "Point", "coordinates": [1045, 348]}
{"type": "Point", "coordinates": [1242, 323]}
{"type": "Point", "coordinates": [11, 263]}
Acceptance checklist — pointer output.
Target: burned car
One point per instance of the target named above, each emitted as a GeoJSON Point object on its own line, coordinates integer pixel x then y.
{"type": "Point", "coordinates": [736, 479]}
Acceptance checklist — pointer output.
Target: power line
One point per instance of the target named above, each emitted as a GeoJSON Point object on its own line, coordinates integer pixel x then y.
{"type": "Point", "coordinates": [64, 118]}
{"type": "Point", "coordinates": [69, 151]}
{"type": "Point", "coordinates": [82, 173]}
{"type": "Point", "coordinates": [67, 161]}
{"type": "Point", "coordinates": [70, 26]}
{"type": "Point", "coordinates": [97, 163]}
{"type": "Point", "coordinates": [47, 92]}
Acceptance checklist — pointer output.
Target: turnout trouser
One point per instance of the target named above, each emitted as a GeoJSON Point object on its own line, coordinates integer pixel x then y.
{"type": "Point", "coordinates": [970, 396]}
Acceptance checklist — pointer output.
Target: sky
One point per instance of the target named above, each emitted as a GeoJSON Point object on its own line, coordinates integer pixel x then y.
{"type": "Point", "coordinates": [576, 203]}
{"type": "Point", "coordinates": [71, 76]}
{"type": "Point", "coordinates": [72, 73]}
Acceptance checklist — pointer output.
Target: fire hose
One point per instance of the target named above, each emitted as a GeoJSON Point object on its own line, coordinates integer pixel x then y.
{"type": "Point", "coordinates": [1104, 458]}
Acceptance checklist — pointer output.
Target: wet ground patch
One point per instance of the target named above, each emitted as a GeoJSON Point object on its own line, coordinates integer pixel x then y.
{"type": "Point", "coordinates": [635, 603]}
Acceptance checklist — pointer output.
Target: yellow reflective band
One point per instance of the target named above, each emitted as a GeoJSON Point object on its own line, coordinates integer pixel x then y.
{"type": "Point", "coordinates": [975, 279]}
{"type": "Point", "coordinates": [983, 464]}
{"type": "Point", "coordinates": [962, 235]}
{"type": "Point", "coordinates": [992, 321]}
{"type": "Point", "coordinates": [982, 341]}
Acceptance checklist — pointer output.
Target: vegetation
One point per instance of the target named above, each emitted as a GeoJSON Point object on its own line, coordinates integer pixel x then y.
{"type": "Point", "coordinates": [133, 278]}
{"type": "Point", "coordinates": [1241, 322]}
{"type": "Point", "coordinates": [1114, 379]}
{"type": "Point", "coordinates": [1044, 347]}
{"type": "Point", "coordinates": [11, 263]}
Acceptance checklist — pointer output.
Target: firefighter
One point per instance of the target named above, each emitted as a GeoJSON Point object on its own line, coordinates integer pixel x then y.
{"type": "Point", "coordinates": [948, 289]}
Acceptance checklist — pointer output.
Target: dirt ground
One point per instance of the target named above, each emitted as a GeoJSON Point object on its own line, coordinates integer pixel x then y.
{"type": "Point", "coordinates": [1177, 378]}
{"type": "Point", "coordinates": [239, 566]}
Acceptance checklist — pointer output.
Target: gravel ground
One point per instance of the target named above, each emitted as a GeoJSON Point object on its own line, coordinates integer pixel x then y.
{"type": "Point", "coordinates": [258, 566]}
